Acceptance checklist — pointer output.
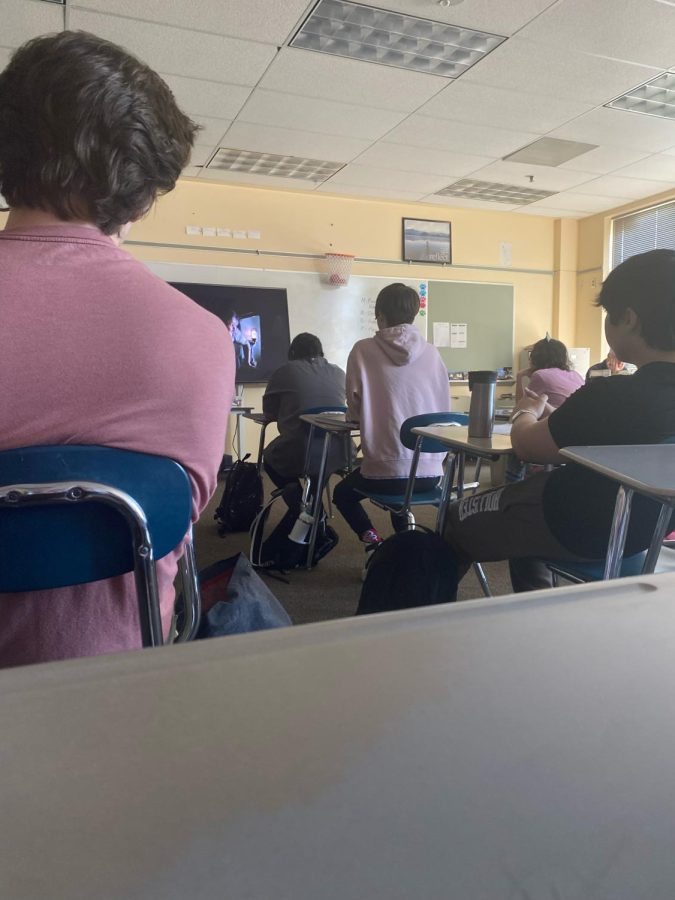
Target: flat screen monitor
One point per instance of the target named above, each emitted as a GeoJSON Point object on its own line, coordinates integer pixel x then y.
{"type": "Point", "coordinates": [257, 319]}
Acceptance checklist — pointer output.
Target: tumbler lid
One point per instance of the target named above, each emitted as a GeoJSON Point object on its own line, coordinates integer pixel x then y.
{"type": "Point", "coordinates": [482, 377]}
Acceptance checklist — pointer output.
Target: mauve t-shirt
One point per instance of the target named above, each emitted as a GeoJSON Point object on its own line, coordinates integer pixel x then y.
{"type": "Point", "coordinates": [556, 383]}
{"type": "Point", "coordinates": [98, 350]}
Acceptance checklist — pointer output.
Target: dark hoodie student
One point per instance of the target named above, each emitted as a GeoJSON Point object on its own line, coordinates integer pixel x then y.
{"type": "Point", "coordinates": [390, 377]}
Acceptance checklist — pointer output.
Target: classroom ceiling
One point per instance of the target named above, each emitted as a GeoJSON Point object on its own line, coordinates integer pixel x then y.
{"type": "Point", "coordinates": [390, 132]}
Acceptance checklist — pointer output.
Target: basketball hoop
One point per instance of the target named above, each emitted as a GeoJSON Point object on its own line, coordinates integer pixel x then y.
{"type": "Point", "coordinates": [339, 267]}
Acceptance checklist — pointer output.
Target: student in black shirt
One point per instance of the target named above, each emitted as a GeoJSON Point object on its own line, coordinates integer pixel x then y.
{"type": "Point", "coordinates": [567, 513]}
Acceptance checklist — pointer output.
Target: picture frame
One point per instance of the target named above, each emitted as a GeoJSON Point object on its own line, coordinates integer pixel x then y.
{"type": "Point", "coordinates": [427, 241]}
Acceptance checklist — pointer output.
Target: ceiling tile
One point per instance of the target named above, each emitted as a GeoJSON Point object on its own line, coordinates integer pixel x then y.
{"type": "Point", "coordinates": [640, 31]}
{"type": "Point", "coordinates": [477, 103]}
{"type": "Point", "coordinates": [467, 203]}
{"type": "Point", "coordinates": [353, 190]}
{"type": "Point", "coordinates": [207, 98]}
{"type": "Point", "coordinates": [265, 181]}
{"type": "Point", "coordinates": [255, 20]}
{"type": "Point", "coordinates": [322, 116]}
{"type": "Point", "coordinates": [553, 213]}
{"type": "Point", "coordinates": [546, 178]}
{"type": "Point", "coordinates": [659, 167]}
{"type": "Point", "coordinates": [322, 75]}
{"type": "Point", "coordinates": [192, 172]}
{"type": "Point", "coordinates": [521, 65]}
{"type": "Point", "coordinates": [604, 159]}
{"type": "Point", "coordinates": [483, 15]}
{"type": "Point", "coordinates": [390, 179]}
{"type": "Point", "coordinates": [212, 130]}
{"type": "Point", "coordinates": [579, 202]}
{"type": "Point", "coordinates": [616, 126]}
{"type": "Point", "coordinates": [201, 154]}
{"type": "Point", "coordinates": [179, 51]}
{"type": "Point", "coordinates": [27, 19]}
{"type": "Point", "coordinates": [442, 134]}
{"type": "Point", "coordinates": [246, 136]}
{"type": "Point", "coordinates": [630, 188]}
{"type": "Point", "coordinates": [420, 159]}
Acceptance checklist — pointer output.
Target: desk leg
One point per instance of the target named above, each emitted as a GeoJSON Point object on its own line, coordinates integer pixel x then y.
{"type": "Point", "coordinates": [446, 493]}
{"type": "Point", "coordinates": [461, 459]}
{"type": "Point", "coordinates": [659, 533]}
{"type": "Point", "coordinates": [318, 493]}
{"type": "Point", "coordinates": [238, 426]}
{"type": "Point", "coordinates": [617, 535]}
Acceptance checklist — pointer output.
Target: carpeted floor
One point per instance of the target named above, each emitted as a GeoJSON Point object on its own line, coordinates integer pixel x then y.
{"type": "Point", "coordinates": [331, 590]}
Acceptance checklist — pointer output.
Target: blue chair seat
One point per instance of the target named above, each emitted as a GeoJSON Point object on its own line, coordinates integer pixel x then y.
{"type": "Point", "coordinates": [593, 570]}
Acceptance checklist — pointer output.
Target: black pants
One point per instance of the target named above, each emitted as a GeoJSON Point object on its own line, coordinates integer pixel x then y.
{"type": "Point", "coordinates": [348, 500]}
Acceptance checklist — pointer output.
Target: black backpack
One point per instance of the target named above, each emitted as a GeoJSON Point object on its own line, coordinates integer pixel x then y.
{"type": "Point", "coordinates": [242, 497]}
{"type": "Point", "coordinates": [411, 568]}
{"type": "Point", "coordinates": [275, 551]}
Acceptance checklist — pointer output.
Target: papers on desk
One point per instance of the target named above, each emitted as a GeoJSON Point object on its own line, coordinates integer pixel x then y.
{"type": "Point", "coordinates": [504, 428]}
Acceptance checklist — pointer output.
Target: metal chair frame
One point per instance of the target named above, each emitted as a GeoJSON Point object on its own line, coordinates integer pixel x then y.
{"type": "Point", "coordinates": [80, 491]}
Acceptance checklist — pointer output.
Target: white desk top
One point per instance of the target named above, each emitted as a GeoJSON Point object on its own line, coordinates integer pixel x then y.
{"type": "Point", "coordinates": [647, 468]}
{"type": "Point", "coordinates": [508, 748]}
{"type": "Point", "coordinates": [457, 437]}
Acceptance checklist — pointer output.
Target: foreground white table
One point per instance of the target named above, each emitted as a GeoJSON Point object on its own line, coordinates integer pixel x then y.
{"type": "Point", "coordinates": [518, 748]}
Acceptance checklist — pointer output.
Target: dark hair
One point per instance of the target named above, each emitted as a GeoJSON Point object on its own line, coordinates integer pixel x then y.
{"type": "Point", "coordinates": [549, 354]}
{"type": "Point", "coordinates": [88, 131]}
{"type": "Point", "coordinates": [646, 284]}
{"type": "Point", "coordinates": [398, 303]}
{"type": "Point", "coordinates": [305, 346]}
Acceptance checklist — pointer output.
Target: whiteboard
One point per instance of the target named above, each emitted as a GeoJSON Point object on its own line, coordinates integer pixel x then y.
{"type": "Point", "coordinates": [339, 316]}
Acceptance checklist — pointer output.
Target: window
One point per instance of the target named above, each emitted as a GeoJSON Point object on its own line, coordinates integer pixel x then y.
{"type": "Point", "coordinates": [646, 229]}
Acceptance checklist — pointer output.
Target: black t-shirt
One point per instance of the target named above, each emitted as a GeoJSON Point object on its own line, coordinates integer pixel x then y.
{"type": "Point", "coordinates": [579, 503]}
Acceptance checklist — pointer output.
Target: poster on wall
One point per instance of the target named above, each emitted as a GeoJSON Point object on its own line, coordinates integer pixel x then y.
{"type": "Point", "coordinates": [426, 240]}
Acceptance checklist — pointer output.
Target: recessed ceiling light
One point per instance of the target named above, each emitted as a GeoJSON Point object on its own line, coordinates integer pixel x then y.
{"type": "Point", "coordinates": [549, 152]}
{"type": "Point", "coordinates": [653, 98]}
{"type": "Point", "coordinates": [471, 189]}
{"type": "Point", "coordinates": [342, 28]}
{"type": "Point", "coordinates": [254, 163]}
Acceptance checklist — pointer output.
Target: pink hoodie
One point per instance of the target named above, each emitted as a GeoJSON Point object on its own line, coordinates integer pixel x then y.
{"type": "Point", "coordinates": [390, 377]}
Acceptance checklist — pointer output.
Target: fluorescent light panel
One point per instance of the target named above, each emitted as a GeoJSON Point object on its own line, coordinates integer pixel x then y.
{"type": "Point", "coordinates": [470, 189]}
{"type": "Point", "coordinates": [272, 164]}
{"type": "Point", "coordinates": [393, 39]}
{"type": "Point", "coordinates": [653, 98]}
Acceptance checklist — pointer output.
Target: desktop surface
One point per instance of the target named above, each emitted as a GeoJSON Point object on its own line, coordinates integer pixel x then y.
{"type": "Point", "coordinates": [517, 747]}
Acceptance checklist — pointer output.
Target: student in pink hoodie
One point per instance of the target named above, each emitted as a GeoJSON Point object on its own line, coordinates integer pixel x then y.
{"type": "Point", "coordinates": [390, 377]}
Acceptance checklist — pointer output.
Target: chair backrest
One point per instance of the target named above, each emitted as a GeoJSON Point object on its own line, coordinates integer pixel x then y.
{"type": "Point", "coordinates": [47, 546]}
{"type": "Point", "coordinates": [429, 445]}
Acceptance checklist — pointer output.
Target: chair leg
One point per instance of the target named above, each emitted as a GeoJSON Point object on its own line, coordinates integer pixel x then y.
{"type": "Point", "coordinates": [187, 566]}
{"type": "Point", "coordinates": [482, 579]}
{"type": "Point", "coordinates": [329, 502]}
{"type": "Point", "coordinates": [476, 474]}
{"type": "Point", "coordinates": [555, 580]}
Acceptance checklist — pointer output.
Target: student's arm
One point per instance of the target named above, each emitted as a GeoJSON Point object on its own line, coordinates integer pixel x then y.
{"type": "Point", "coordinates": [520, 376]}
{"type": "Point", "coordinates": [353, 389]}
{"type": "Point", "coordinates": [271, 400]}
{"type": "Point", "coordinates": [531, 438]}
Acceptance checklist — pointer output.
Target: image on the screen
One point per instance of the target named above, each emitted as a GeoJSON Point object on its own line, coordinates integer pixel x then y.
{"type": "Point", "coordinates": [257, 320]}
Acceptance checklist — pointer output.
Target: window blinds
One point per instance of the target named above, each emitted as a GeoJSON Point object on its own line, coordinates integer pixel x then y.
{"type": "Point", "coordinates": [646, 229]}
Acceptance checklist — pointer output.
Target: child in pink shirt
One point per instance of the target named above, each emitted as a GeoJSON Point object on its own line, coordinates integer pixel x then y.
{"type": "Point", "coordinates": [96, 349]}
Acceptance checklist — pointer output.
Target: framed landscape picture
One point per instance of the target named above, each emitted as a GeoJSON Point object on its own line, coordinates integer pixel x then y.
{"type": "Point", "coordinates": [425, 240]}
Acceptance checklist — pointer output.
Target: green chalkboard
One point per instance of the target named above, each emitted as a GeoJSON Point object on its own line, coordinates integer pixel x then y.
{"type": "Point", "coordinates": [486, 310]}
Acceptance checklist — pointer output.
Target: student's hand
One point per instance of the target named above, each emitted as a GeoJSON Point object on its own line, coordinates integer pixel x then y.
{"type": "Point", "coordinates": [537, 403]}
{"type": "Point", "coordinates": [525, 373]}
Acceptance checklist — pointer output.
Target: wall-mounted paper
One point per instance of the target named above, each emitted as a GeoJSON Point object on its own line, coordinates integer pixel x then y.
{"type": "Point", "coordinates": [458, 335]}
{"type": "Point", "coordinates": [441, 334]}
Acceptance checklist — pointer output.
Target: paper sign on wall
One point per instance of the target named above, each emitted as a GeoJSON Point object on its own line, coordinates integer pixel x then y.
{"type": "Point", "coordinates": [458, 335]}
{"type": "Point", "coordinates": [441, 334]}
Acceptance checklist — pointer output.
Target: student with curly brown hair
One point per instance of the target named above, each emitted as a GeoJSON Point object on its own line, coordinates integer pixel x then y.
{"type": "Point", "coordinates": [96, 349]}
